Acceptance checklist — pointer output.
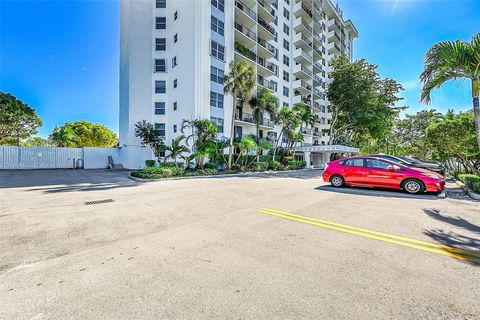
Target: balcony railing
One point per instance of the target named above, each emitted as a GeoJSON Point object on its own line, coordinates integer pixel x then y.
{"type": "Point", "coordinates": [268, 27]}
{"type": "Point", "coordinates": [272, 85]}
{"type": "Point", "coordinates": [246, 31]}
{"type": "Point", "coordinates": [267, 7]}
{"type": "Point", "coordinates": [267, 45]}
{"type": "Point", "coordinates": [306, 70]}
{"type": "Point", "coordinates": [306, 40]}
{"type": "Point", "coordinates": [306, 25]}
{"type": "Point", "coordinates": [247, 117]}
{"type": "Point", "coordinates": [245, 9]}
{"type": "Point", "coordinates": [270, 66]}
{"type": "Point", "coordinates": [306, 130]}
{"type": "Point", "coordinates": [305, 85]}
{"type": "Point", "coordinates": [244, 51]}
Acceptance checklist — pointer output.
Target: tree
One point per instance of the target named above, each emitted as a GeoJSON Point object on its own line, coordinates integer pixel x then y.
{"type": "Point", "coordinates": [245, 145]}
{"type": "Point", "coordinates": [289, 122]}
{"type": "Point", "coordinates": [240, 81]}
{"type": "Point", "coordinates": [452, 60]}
{"type": "Point", "coordinates": [177, 148]}
{"type": "Point", "coordinates": [202, 140]}
{"type": "Point", "coordinates": [37, 142]}
{"type": "Point", "coordinates": [264, 102]}
{"type": "Point", "coordinates": [150, 137]}
{"type": "Point", "coordinates": [17, 120]}
{"type": "Point", "coordinates": [362, 104]}
{"type": "Point", "coordinates": [83, 134]}
{"type": "Point", "coordinates": [455, 136]}
{"type": "Point", "coordinates": [305, 115]}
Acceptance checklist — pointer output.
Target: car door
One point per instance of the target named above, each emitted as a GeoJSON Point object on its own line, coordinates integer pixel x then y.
{"type": "Point", "coordinates": [379, 173]}
{"type": "Point", "coordinates": [355, 171]}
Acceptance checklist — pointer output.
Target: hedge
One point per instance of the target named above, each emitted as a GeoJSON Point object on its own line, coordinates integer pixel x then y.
{"type": "Point", "coordinates": [150, 163]}
{"type": "Point", "coordinates": [260, 166]}
{"type": "Point", "coordinates": [276, 165]}
{"type": "Point", "coordinates": [297, 164]}
{"type": "Point", "coordinates": [471, 180]}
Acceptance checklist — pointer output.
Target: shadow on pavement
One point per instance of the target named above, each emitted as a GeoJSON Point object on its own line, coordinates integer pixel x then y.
{"type": "Point", "coordinates": [458, 221]}
{"type": "Point", "coordinates": [370, 192]}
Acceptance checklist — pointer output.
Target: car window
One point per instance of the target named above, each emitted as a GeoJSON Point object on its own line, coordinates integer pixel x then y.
{"type": "Point", "coordinates": [353, 162]}
{"type": "Point", "coordinates": [375, 163]}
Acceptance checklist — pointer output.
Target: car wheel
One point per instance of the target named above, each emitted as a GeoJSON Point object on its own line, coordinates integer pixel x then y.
{"type": "Point", "coordinates": [413, 186]}
{"type": "Point", "coordinates": [337, 181]}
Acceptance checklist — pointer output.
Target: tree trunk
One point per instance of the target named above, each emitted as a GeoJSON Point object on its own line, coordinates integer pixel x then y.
{"type": "Point", "coordinates": [232, 131]}
{"type": "Point", "coordinates": [476, 108]}
{"type": "Point", "coordinates": [257, 123]}
{"type": "Point", "coordinates": [276, 144]}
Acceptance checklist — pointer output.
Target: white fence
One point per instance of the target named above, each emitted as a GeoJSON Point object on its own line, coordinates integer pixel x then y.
{"type": "Point", "coordinates": [12, 157]}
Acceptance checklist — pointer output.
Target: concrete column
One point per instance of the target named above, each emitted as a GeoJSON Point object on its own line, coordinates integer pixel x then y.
{"type": "Point", "coordinates": [306, 156]}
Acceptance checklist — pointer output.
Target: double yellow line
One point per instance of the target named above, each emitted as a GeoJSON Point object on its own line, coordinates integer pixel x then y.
{"type": "Point", "coordinates": [380, 236]}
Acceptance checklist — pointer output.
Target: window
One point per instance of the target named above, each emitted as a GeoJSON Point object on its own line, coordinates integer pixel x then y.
{"type": "Point", "coordinates": [219, 4]}
{"type": "Point", "coordinates": [160, 86]}
{"type": "Point", "coordinates": [160, 65]}
{"type": "Point", "coordinates": [216, 100]}
{"type": "Point", "coordinates": [286, 61]}
{"type": "Point", "coordinates": [285, 91]}
{"type": "Point", "coordinates": [175, 83]}
{"type": "Point", "coordinates": [175, 105]}
{"type": "Point", "coordinates": [286, 76]}
{"type": "Point", "coordinates": [285, 104]}
{"type": "Point", "coordinates": [175, 15]}
{"type": "Point", "coordinates": [160, 22]}
{"type": "Point", "coordinates": [219, 123]}
{"type": "Point", "coordinates": [161, 3]}
{"type": "Point", "coordinates": [375, 163]}
{"type": "Point", "coordinates": [216, 75]}
{"type": "Point", "coordinates": [217, 50]}
{"type": "Point", "coordinates": [353, 163]}
{"type": "Point", "coordinates": [175, 38]}
{"type": "Point", "coordinates": [286, 13]}
{"type": "Point", "coordinates": [286, 45]}
{"type": "Point", "coordinates": [160, 129]}
{"type": "Point", "coordinates": [174, 128]}
{"type": "Point", "coordinates": [160, 44]}
{"type": "Point", "coordinates": [218, 26]}
{"type": "Point", "coordinates": [286, 29]}
{"type": "Point", "coordinates": [159, 107]}
{"type": "Point", "coordinates": [174, 62]}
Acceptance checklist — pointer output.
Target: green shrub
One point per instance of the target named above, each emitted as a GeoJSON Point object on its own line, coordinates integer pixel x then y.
{"type": "Point", "coordinates": [293, 165]}
{"type": "Point", "coordinates": [171, 164]}
{"type": "Point", "coordinates": [276, 165]}
{"type": "Point", "coordinates": [160, 171]}
{"type": "Point", "coordinates": [260, 166]}
{"type": "Point", "coordinates": [208, 172]}
{"type": "Point", "coordinates": [471, 180]}
{"type": "Point", "coordinates": [210, 165]}
{"type": "Point", "coordinates": [150, 163]}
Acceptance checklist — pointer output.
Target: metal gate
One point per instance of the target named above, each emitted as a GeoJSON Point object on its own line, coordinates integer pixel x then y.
{"type": "Point", "coordinates": [38, 157]}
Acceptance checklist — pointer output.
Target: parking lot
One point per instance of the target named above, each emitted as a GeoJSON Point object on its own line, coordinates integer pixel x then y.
{"type": "Point", "coordinates": [98, 245]}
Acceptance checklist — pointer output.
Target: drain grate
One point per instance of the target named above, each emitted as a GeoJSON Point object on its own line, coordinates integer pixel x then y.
{"type": "Point", "coordinates": [98, 201]}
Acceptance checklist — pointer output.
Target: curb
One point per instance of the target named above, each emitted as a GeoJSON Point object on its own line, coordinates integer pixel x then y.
{"type": "Point", "coordinates": [442, 195]}
{"type": "Point", "coordinates": [233, 175]}
{"type": "Point", "coordinates": [472, 194]}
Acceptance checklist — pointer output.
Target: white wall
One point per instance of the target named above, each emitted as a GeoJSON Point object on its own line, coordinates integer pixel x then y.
{"type": "Point", "coordinates": [97, 158]}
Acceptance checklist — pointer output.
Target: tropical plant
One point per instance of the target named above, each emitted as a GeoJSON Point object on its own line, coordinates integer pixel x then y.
{"type": "Point", "coordinates": [240, 81]}
{"type": "Point", "coordinates": [83, 134]}
{"type": "Point", "coordinates": [452, 60]}
{"type": "Point", "coordinates": [202, 139]}
{"type": "Point", "coordinates": [245, 145]}
{"type": "Point", "coordinates": [263, 102]}
{"type": "Point", "coordinates": [176, 149]}
{"type": "Point", "coordinates": [289, 122]}
{"type": "Point", "coordinates": [17, 120]}
{"type": "Point", "coordinates": [150, 137]}
{"type": "Point", "coordinates": [305, 115]}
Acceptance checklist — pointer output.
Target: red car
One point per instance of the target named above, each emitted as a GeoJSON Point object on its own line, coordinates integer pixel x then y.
{"type": "Point", "coordinates": [381, 173]}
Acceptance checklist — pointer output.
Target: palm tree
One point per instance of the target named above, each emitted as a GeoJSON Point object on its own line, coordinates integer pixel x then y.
{"type": "Point", "coordinates": [289, 122]}
{"type": "Point", "coordinates": [451, 60]}
{"type": "Point", "coordinates": [239, 81]}
{"type": "Point", "coordinates": [202, 138]}
{"type": "Point", "coordinates": [177, 149]}
{"type": "Point", "coordinates": [264, 101]}
{"type": "Point", "coordinates": [245, 145]}
{"type": "Point", "coordinates": [305, 115]}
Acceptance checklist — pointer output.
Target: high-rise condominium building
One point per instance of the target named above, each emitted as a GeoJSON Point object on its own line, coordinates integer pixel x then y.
{"type": "Point", "coordinates": [174, 54]}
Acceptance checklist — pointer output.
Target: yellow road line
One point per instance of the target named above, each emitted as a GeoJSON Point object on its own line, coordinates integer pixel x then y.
{"type": "Point", "coordinates": [371, 236]}
{"type": "Point", "coordinates": [423, 243]}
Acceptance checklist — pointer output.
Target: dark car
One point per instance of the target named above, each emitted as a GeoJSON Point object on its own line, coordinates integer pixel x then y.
{"type": "Point", "coordinates": [430, 165]}
{"type": "Point", "coordinates": [412, 163]}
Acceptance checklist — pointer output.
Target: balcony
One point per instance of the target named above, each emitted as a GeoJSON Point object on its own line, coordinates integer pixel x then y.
{"type": "Point", "coordinates": [266, 31]}
{"type": "Point", "coordinates": [244, 14]}
{"type": "Point", "coordinates": [266, 49]}
{"type": "Point", "coordinates": [249, 118]}
{"type": "Point", "coordinates": [266, 11]}
{"type": "Point", "coordinates": [302, 41]}
{"type": "Point", "coordinates": [317, 79]}
{"type": "Point", "coordinates": [301, 10]}
{"type": "Point", "coordinates": [302, 71]}
{"type": "Point", "coordinates": [301, 56]}
{"type": "Point", "coordinates": [308, 131]}
{"type": "Point", "coordinates": [272, 85]}
{"type": "Point", "coordinates": [266, 68]}
{"type": "Point", "coordinates": [301, 25]}
{"type": "Point", "coordinates": [245, 35]}
{"type": "Point", "coordinates": [302, 87]}
{"type": "Point", "coordinates": [245, 52]}
{"type": "Point", "coordinates": [302, 99]}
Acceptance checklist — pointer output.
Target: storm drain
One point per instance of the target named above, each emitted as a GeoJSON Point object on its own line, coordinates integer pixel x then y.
{"type": "Point", "coordinates": [98, 201]}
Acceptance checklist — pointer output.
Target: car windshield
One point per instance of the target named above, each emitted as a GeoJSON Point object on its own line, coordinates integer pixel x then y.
{"type": "Point", "coordinates": [409, 159]}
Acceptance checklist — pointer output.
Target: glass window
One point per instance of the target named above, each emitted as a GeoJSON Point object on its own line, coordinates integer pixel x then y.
{"type": "Point", "coordinates": [286, 61]}
{"type": "Point", "coordinates": [160, 65]}
{"type": "Point", "coordinates": [159, 107]}
{"type": "Point", "coordinates": [286, 13]}
{"type": "Point", "coordinates": [160, 44]}
{"type": "Point", "coordinates": [216, 75]}
{"type": "Point", "coordinates": [353, 162]}
{"type": "Point", "coordinates": [175, 83]}
{"type": "Point", "coordinates": [160, 86]}
{"type": "Point", "coordinates": [286, 29]}
{"type": "Point", "coordinates": [217, 50]}
{"type": "Point", "coordinates": [218, 122]}
{"type": "Point", "coordinates": [285, 91]}
{"type": "Point", "coordinates": [174, 62]}
{"type": "Point", "coordinates": [217, 26]}
{"type": "Point", "coordinates": [175, 15]}
{"type": "Point", "coordinates": [216, 100]}
{"type": "Point", "coordinates": [175, 105]}
{"type": "Point", "coordinates": [161, 3]}
{"type": "Point", "coordinates": [175, 38]}
{"type": "Point", "coordinates": [160, 22]}
{"type": "Point", "coordinates": [219, 4]}
{"type": "Point", "coordinates": [174, 128]}
{"type": "Point", "coordinates": [160, 129]}
{"type": "Point", "coordinates": [375, 163]}
{"type": "Point", "coordinates": [286, 45]}
{"type": "Point", "coordinates": [286, 76]}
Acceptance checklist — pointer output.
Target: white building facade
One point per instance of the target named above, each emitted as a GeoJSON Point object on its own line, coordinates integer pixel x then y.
{"type": "Point", "coordinates": [174, 54]}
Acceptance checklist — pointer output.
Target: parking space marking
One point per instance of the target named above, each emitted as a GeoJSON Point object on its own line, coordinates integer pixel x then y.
{"type": "Point", "coordinates": [398, 240]}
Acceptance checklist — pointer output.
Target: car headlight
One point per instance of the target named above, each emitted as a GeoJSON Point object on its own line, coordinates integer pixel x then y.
{"type": "Point", "coordinates": [432, 175]}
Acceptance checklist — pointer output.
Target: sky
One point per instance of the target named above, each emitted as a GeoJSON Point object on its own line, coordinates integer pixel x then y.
{"type": "Point", "coordinates": [61, 57]}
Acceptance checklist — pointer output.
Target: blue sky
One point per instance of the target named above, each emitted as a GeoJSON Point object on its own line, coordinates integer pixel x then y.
{"type": "Point", "coordinates": [61, 57]}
